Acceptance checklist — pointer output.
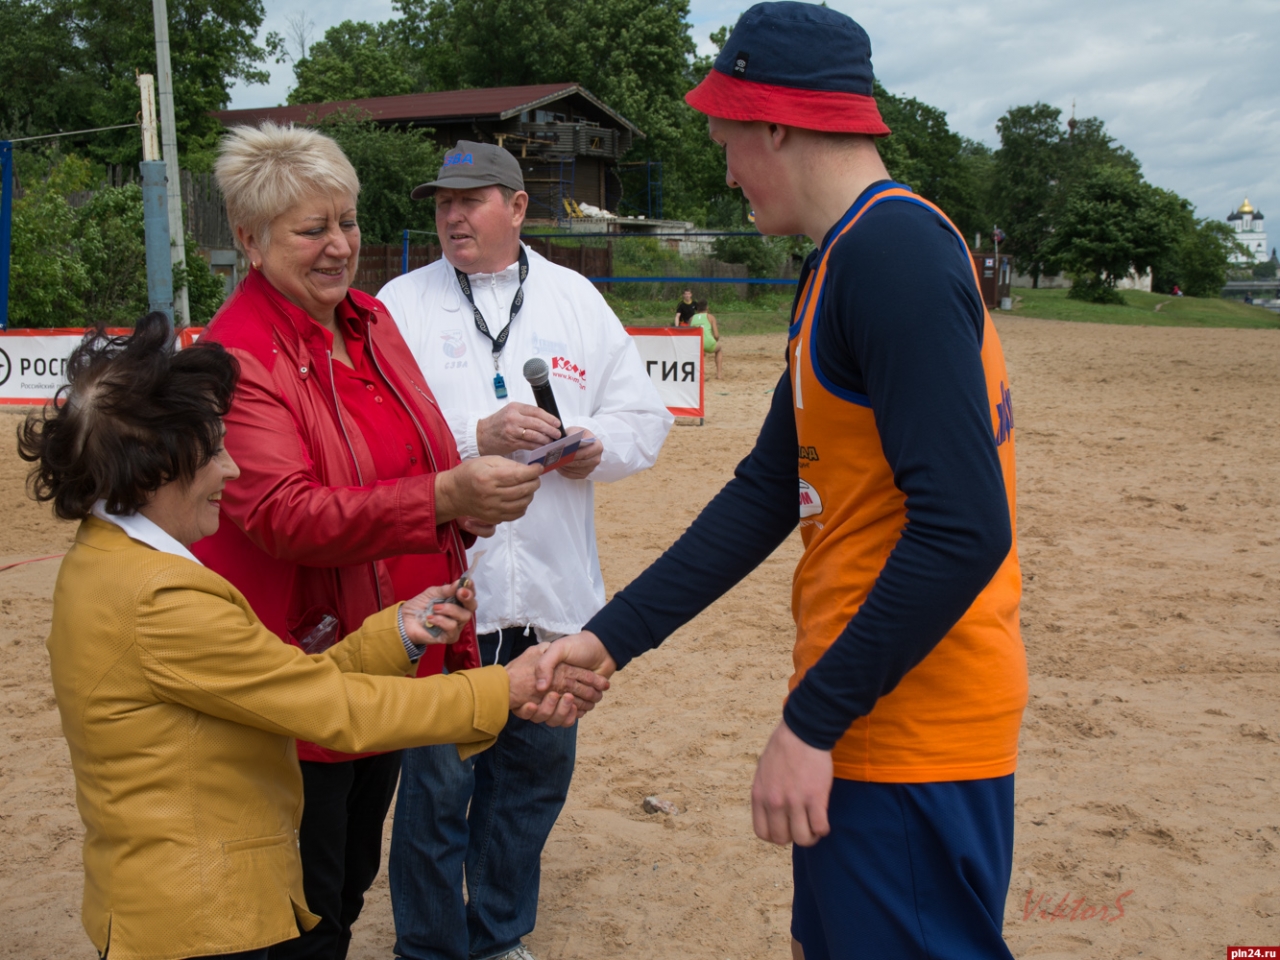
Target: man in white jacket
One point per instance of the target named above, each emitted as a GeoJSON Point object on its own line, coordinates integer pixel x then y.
{"type": "Point", "coordinates": [472, 319]}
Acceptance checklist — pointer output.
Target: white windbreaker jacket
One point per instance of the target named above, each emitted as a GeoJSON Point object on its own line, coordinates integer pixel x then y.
{"type": "Point", "coordinates": [543, 569]}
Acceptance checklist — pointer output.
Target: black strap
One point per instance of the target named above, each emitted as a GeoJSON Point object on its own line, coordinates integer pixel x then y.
{"type": "Point", "coordinates": [501, 340]}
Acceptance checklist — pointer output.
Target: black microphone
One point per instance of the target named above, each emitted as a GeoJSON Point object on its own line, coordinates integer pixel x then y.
{"type": "Point", "coordinates": [538, 374]}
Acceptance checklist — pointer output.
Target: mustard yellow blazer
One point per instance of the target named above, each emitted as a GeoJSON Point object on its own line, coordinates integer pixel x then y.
{"type": "Point", "coordinates": [181, 710]}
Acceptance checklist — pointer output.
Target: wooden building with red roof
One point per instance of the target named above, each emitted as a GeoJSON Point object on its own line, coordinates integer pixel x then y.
{"type": "Point", "coordinates": [568, 141]}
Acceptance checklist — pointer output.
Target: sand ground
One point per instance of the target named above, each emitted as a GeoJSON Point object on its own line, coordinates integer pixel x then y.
{"type": "Point", "coordinates": [1148, 466]}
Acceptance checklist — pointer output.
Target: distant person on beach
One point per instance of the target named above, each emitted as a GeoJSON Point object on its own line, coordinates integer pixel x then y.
{"type": "Point", "coordinates": [685, 309]}
{"type": "Point", "coordinates": [710, 332]}
{"type": "Point", "coordinates": [892, 769]}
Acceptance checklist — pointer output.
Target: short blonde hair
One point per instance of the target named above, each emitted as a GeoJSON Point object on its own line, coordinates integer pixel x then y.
{"type": "Point", "coordinates": [262, 171]}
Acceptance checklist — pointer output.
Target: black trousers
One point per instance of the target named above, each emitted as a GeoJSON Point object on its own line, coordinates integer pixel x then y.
{"type": "Point", "coordinates": [345, 805]}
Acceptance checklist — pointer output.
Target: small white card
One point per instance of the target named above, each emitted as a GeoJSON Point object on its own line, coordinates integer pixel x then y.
{"type": "Point", "coordinates": [554, 454]}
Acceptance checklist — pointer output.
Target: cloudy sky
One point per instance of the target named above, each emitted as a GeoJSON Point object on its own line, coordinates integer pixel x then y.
{"type": "Point", "coordinates": [1190, 86]}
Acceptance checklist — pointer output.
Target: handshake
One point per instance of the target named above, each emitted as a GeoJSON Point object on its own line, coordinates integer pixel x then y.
{"type": "Point", "coordinates": [551, 683]}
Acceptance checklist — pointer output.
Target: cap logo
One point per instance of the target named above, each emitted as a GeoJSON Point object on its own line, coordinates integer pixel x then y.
{"type": "Point", "coordinates": [740, 63]}
{"type": "Point", "coordinates": [452, 159]}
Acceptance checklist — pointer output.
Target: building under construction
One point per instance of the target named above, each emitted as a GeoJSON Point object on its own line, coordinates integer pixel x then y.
{"type": "Point", "coordinates": [569, 142]}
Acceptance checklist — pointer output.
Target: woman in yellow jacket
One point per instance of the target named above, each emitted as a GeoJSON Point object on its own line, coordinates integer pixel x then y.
{"type": "Point", "coordinates": [179, 707]}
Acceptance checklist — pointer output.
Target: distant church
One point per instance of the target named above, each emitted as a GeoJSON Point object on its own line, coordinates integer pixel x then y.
{"type": "Point", "coordinates": [1250, 233]}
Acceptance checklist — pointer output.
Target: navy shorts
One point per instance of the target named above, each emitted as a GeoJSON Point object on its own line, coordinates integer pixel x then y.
{"type": "Point", "coordinates": [909, 871]}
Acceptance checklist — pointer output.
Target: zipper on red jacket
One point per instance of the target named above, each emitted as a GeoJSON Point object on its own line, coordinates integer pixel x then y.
{"type": "Point", "coordinates": [337, 410]}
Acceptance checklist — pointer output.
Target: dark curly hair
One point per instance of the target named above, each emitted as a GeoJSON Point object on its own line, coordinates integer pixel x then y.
{"type": "Point", "coordinates": [135, 414]}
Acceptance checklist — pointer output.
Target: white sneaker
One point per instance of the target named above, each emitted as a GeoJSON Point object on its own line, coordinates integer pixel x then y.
{"type": "Point", "coordinates": [520, 952]}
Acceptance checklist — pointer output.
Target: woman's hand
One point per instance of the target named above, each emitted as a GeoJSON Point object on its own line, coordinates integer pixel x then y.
{"type": "Point", "coordinates": [477, 527]}
{"type": "Point", "coordinates": [490, 489]}
{"type": "Point", "coordinates": [449, 617]}
{"type": "Point", "coordinates": [554, 708]}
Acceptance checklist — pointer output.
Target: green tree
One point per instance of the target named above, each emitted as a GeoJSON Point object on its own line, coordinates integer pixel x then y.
{"type": "Point", "coordinates": [1204, 256]}
{"type": "Point", "coordinates": [937, 163]}
{"type": "Point", "coordinates": [71, 65]}
{"type": "Point", "coordinates": [1198, 264]}
{"type": "Point", "coordinates": [390, 163]}
{"type": "Point", "coordinates": [763, 256]}
{"type": "Point", "coordinates": [636, 55]}
{"type": "Point", "coordinates": [1266, 270]}
{"type": "Point", "coordinates": [87, 264]}
{"type": "Point", "coordinates": [45, 83]}
{"type": "Point", "coordinates": [1027, 170]}
{"type": "Point", "coordinates": [47, 279]}
{"type": "Point", "coordinates": [112, 247]}
{"type": "Point", "coordinates": [1111, 223]}
{"type": "Point", "coordinates": [353, 61]}
{"type": "Point", "coordinates": [1038, 166]}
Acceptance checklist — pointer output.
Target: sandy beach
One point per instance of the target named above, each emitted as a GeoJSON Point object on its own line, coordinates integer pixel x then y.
{"type": "Point", "coordinates": [1147, 816]}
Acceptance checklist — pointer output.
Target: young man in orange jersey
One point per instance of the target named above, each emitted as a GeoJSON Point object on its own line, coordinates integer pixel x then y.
{"type": "Point", "coordinates": [892, 768]}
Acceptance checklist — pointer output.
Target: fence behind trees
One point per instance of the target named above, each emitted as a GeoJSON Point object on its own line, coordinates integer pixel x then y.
{"type": "Point", "coordinates": [206, 211]}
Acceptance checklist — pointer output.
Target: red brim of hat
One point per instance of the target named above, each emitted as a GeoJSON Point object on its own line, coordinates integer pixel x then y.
{"type": "Point", "coordinates": [827, 110]}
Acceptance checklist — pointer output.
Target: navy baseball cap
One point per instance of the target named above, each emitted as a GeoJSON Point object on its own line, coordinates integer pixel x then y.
{"type": "Point", "coordinates": [800, 64]}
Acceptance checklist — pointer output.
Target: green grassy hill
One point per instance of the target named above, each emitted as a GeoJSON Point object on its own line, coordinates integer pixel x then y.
{"type": "Point", "coordinates": [1151, 309]}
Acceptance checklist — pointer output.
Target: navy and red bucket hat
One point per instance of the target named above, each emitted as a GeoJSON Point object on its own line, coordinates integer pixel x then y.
{"type": "Point", "coordinates": [798, 64]}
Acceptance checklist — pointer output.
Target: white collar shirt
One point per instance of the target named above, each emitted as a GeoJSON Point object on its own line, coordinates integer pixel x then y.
{"type": "Point", "coordinates": [137, 527]}
{"type": "Point", "coordinates": [542, 570]}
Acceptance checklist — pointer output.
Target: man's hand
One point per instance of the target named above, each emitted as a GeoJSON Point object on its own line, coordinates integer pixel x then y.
{"type": "Point", "coordinates": [450, 618]}
{"type": "Point", "coordinates": [587, 459]}
{"type": "Point", "coordinates": [553, 709]}
{"type": "Point", "coordinates": [517, 426]}
{"type": "Point", "coordinates": [488, 489]}
{"type": "Point", "coordinates": [791, 791]}
{"type": "Point", "coordinates": [579, 649]}
{"type": "Point", "coordinates": [586, 687]}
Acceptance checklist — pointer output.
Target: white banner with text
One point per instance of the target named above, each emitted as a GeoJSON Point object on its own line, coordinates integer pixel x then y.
{"type": "Point", "coordinates": [673, 357]}
{"type": "Point", "coordinates": [33, 363]}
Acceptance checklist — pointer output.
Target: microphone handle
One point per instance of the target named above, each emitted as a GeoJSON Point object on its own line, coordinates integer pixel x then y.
{"type": "Point", "coordinates": [546, 400]}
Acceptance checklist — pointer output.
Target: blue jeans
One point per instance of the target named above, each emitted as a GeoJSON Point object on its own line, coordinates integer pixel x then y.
{"type": "Point", "coordinates": [515, 789]}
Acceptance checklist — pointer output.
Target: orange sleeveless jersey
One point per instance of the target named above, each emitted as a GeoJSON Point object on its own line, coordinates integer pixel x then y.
{"type": "Point", "coordinates": [956, 714]}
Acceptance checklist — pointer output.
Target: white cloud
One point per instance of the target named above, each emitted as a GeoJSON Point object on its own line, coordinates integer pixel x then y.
{"type": "Point", "coordinates": [1189, 86]}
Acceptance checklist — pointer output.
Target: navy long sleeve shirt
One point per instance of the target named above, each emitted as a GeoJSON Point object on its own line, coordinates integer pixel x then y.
{"type": "Point", "coordinates": [901, 325]}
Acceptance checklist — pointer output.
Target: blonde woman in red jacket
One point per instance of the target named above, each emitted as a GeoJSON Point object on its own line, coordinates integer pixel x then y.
{"type": "Point", "coordinates": [351, 495]}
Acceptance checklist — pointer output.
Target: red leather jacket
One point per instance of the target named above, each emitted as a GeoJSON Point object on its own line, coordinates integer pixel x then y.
{"type": "Point", "coordinates": [310, 528]}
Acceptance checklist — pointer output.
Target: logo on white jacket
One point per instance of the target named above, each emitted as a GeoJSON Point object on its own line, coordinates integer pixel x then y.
{"type": "Point", "coordinates": [454, 347]}
{"type": "Point", "coordinates": [566, 369]}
